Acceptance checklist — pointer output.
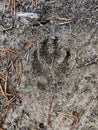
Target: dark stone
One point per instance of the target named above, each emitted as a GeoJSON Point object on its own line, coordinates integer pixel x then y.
{"type": "Point", "coordinates": [41, 125]}
{"type": "Point", "coordinates": [68, 55]}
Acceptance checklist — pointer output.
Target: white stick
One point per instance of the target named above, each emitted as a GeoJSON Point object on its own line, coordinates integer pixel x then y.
{"type": "Point", "coordinates": [27, 15]}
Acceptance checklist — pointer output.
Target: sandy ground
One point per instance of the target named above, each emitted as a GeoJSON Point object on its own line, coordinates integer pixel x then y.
{"type": "Point", "coordinates": [59, 83]}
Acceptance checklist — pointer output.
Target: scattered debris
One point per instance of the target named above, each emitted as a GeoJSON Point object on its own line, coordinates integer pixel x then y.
{"type": "Point", "coordinates": [10, 76]}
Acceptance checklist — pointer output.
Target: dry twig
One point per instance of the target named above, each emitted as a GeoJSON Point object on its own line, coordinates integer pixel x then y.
{"type": "Point", "coordinates": [77, 117]}
{"type": "Point", "coordinates": [65, 115]}
{"type": "Point", "coordinates": [12, 4]}
{"type": "Point", "coordinates": [34, 3]}
{"type": "Point", "coordinates": [63, 20]}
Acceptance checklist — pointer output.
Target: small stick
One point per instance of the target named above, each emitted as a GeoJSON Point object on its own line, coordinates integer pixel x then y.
{"type": "Point", "coordinates": [11, 7]}
{"type": "Point", "coordinates": [6, 94]}
{"type": "Point", "coordinates": [19, 73]}
{"type": "Point", "coordinates": [6, 29]}
{"type": "Point", "coordinates": [15, 93]}
{"type": "Point", "coordinates": [11, 101]}
{"type": "Point", "coordinates": [62, 19]}
{"type": "Point", "coordinates": [3, 93]}
{"type": "Point", "coordinates": [2, 90]}
{"type": "Point", "coordinates": [65, 115]}
{"type": "Point", "coordinates": [6, 80]}
{"type": "Point", "coordinates": [50, 111]}
{"type": "Point", "coordinates": [2, 77]}
{"type": "Point", "coordinates": [64, 22]}
{"type": "Point", "coordinates": [14, 7]}
{"type": "Point", "coordinates": [9, 51]}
